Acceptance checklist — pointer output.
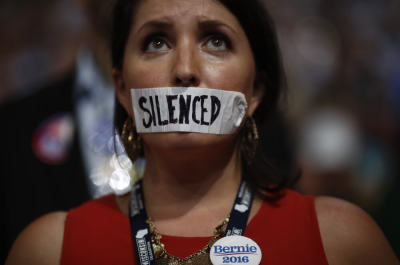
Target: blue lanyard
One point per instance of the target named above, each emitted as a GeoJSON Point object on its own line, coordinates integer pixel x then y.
{"type": "Point", "coordinates": [140, 230]}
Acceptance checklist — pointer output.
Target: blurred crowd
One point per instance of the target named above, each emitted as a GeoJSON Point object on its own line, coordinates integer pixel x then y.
{"type": "Point", "coordinates": [39, 42]}
{"type": "Point", "coordinates": [342, 60]}
{"type": "Point", "coordinates": [342, 63]}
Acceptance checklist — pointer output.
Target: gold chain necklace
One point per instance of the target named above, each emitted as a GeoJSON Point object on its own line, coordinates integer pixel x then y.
{"type": "Point", "coordinates": [201, 257]}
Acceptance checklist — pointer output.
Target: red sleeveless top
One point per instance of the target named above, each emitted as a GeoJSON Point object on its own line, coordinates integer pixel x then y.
{"type": "Point", "coordinates": [97, 233]}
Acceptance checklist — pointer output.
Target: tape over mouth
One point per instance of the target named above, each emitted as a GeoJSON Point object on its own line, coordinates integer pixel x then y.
{"type": "Point", "coordinates": [187, 109]}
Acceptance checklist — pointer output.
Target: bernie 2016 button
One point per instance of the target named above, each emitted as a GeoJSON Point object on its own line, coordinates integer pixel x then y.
{"type": "Point", "coordinates": [235, 250]}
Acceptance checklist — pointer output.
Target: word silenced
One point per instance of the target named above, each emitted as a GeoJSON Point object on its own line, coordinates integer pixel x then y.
{"type": "Point", "coordinates": [181, 109]}
{"type": "Point", "coordinates": [187, 109]}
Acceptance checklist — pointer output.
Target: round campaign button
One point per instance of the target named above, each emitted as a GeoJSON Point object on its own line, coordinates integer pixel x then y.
{"type": "Point", "coordinates": [235, 250]}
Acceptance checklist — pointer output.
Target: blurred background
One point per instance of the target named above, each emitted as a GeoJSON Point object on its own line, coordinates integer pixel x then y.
{"type": "Point", "coordinates": [342, 61]}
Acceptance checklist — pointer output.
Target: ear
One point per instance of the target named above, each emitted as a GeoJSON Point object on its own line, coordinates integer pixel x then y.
{"type": "Point", "coordinates": [122, 92]}
{"type": "Point", "coordinates": [257, 95]}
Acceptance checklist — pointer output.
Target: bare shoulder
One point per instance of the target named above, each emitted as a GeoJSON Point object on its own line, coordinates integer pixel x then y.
{"type": "Point", "coordinates": [350, 236]}
{"type": "Point", "coordinates": [40, 242]}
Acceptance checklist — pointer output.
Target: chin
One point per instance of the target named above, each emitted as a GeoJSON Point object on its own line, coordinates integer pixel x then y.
{"type": "Point", "coordinates": [186, 140]}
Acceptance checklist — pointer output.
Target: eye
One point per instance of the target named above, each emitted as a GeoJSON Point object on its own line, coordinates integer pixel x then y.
{"type": "Point", "coordinates": [217, 43]}
{"type": "Point", "coordinates": [155, 44]}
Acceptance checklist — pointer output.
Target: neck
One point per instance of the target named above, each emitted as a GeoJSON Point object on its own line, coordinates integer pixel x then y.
{"type": "Point", "coordinates": [186, 186]}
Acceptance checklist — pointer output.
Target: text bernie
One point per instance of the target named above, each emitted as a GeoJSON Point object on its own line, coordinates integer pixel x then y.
{"type": "Point", "coordinates": [181, 109]}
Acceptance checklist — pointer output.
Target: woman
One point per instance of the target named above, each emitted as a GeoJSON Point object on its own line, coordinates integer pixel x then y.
{"type": "Point", "coordinates": [191, 179]}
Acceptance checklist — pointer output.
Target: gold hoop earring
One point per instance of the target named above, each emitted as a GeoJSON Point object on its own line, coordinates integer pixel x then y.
{"type": "Point", "coordinates": [131, 140]}
{"type": "Point", "coordinates": [250, 139]}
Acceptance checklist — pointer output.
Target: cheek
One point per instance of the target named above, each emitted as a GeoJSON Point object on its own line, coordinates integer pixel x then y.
{"type": "Point", "coordinates": [236, 75]}
{"type": "Point", "coordinates": [144, 75]}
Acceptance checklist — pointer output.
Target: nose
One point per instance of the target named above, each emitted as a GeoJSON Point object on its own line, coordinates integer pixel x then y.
{"type": "Point", "coordinates": [186, 65]}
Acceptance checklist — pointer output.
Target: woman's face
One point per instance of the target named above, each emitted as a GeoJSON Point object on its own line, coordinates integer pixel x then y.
{"type": "Point", "coordinates": [186, 43]}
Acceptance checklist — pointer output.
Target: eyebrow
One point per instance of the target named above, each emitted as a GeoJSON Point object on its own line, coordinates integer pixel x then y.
{"type": "Point", "coordinates": [159, 24]}
{"type": "Point", "coordinates": [211, 24]}
{"type": "Point", "coordinates": [203, 25]}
